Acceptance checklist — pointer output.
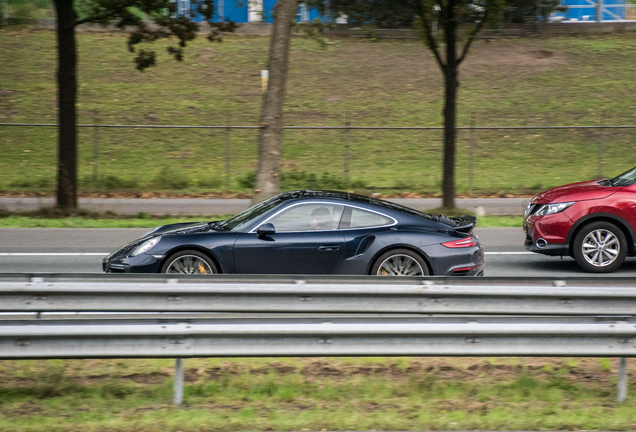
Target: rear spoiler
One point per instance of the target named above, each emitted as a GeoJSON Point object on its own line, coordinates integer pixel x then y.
{"type": "Point", "coordinates": [465, 224]}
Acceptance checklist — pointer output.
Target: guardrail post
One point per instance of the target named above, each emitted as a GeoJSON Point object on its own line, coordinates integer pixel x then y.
{"type": "Point", "coordinates": [622, 380]}
{"type": "Point", "coordinates": [178, 381]}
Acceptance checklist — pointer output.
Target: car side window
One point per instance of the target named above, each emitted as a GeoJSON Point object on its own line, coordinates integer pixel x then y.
{"type": "Point", "coordinates": [308, 217]}
{"type": "Point", "coordinates": [358, 218]}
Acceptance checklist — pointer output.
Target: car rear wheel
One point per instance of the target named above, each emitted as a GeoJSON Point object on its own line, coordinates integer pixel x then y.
{"type": "Point", "coordinates": [600, 247]}
{"type": "Point", "coordinates": [400, 262]}
{"type": "Point", "coordinates": [189, 262]}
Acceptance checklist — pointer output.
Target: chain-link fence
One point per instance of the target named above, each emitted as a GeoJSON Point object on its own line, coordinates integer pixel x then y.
{"type": "Point", "coordinates": [490, 160]}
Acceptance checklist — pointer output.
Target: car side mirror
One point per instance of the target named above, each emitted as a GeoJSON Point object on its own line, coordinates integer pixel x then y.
{"type": "Point", "coordinates": [265, 230]}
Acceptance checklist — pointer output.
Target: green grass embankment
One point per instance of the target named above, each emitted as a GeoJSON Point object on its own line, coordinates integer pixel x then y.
{"type": "Point", "coordinates": [313, 394]}
{"type": "Point", "coordinates": [509, 82]}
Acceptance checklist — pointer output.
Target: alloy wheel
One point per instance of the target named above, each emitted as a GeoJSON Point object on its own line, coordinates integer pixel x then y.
{"type": "Point", "coordinates": [189, 264]}
{"type": "Point", "coordinates": [400, 265]}
{"type": "Point", "coordinates": [600, 247]}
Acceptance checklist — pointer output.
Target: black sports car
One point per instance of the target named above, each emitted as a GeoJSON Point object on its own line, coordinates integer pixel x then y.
{"type": "Point", "coordinates": [311, 232]}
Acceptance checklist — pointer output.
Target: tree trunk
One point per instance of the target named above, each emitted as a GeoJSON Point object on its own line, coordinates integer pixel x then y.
{"type": "Point", "coordinates": [67, 93]}
{"type": "Point", "coordinates": [450, 109]}
{"type": "Point", "coordinates": [271, 132]}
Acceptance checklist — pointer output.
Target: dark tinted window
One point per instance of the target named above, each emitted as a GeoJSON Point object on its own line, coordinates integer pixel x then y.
{"type": "Point", "coordinates": [626, 179]}
{"type": "Point", "coordinates": [359, 218]}
{"type": "Point", "coordinates": [308, 217]}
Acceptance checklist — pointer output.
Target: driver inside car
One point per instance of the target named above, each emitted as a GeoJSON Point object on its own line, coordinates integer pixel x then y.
{"type": "Point", "coordinates": [321, 219]}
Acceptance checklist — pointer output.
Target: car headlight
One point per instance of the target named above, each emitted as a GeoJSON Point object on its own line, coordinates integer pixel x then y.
{"type": "Point", "coordinates": [146, 246]}
{"type": "Point", "coordinates": [548, 209]}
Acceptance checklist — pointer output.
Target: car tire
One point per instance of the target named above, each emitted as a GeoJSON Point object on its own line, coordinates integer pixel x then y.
{"type": "Point", "coordinates": [600, 247]}
{"type": "Point", "coordinates": [400, 262]}
{"type": "Point", "coordinates": [189, 262]}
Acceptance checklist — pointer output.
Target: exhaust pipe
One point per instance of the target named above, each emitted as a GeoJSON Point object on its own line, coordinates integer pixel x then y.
{"type": "Point", "coordinates": [541, 243]}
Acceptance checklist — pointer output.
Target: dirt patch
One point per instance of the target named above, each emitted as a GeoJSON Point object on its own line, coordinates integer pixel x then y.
{"type": "Point", "coordinates": [23, 409]}
{"type": "Point", "coordinates": [149, 378]}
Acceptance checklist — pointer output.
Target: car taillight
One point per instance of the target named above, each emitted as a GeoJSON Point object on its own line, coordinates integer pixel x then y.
{"type": "Point", "coordinates": [465, 242]}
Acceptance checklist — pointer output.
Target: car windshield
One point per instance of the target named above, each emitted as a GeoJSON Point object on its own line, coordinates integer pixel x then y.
{"type": "Point", "coordinates": [250, 214]}
{"type": "Point", "coordinates": [626, 179]}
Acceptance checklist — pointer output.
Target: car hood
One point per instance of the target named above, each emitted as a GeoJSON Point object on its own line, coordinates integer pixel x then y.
{"type": "Point", "coordinates": [575, 192]}
{"type": "Point", "coordinates": [181, 228]}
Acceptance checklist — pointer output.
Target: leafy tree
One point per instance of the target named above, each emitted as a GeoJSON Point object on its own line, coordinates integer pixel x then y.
{"type": "Point", "coordinates": [520, 11]}
{"type": "Point", "coordinates": [379, 13]}
{"type": "Point", "coordinates": [126, 13]}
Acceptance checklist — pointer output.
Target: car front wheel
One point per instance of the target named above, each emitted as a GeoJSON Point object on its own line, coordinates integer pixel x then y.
{"type": "Point", "coordinates": [600, 247]}
{"type": "Point", "coordinates": [399, 262]}
{"type": "Point", "coordinates": [189, 262]}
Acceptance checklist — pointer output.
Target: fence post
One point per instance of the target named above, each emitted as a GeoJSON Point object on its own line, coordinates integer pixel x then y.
{"type": "Point", "coordinates": [346, 155]}
{"type": "Point", "coordinates": [178, 381]}
{"type": "Point", "coordinates": [95, 147]}
{"type": "Point", "coordinates": [622, 380]}
{"type": "Point", "coordinates": [600, 148]}
{"type": "Point", "coordinates": [599, 10]}
{"type": "Point", "coordinates": [228, 155]}
{"type": "Point", "coordinates": [471, 153]}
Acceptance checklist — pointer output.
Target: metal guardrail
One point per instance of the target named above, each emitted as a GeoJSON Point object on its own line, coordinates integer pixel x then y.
{"type": "Point", "coordinates": [346, 297]}
{"type": "Point", "coordinates": [315, 317]}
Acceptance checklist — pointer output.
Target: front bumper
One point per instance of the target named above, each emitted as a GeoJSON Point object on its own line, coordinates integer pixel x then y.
{"type": "Point", "coordinates": [138, 264]}
{"type": "Point", "coordinates": [547, 234]}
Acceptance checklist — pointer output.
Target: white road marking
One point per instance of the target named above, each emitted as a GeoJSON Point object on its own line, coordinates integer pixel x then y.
{"type": "Point", "coordinates": [54, 253]}
{"type": "Point", "coordinates": [107, 253]}
{"type": "Point", "coordinates": [510, 253]}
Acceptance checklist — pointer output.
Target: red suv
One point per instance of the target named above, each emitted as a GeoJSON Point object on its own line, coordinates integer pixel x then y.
{"type": "Point", "coordinates": [594, 222]}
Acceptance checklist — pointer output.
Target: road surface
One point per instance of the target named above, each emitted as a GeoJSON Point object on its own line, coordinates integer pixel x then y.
{"type": "Point", "coordinates": [68, 250]}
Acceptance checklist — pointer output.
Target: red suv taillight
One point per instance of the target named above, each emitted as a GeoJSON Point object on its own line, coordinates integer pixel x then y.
{"type": "Point", "coordinates": [465, 242]}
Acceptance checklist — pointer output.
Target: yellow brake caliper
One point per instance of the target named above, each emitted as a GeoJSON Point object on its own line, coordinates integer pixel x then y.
{"type": "Point", "coordinates": [202, 269]}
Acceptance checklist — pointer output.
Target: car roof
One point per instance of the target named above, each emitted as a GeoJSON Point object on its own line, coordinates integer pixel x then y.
{"type": "Point", "coordinates": [299, 194]}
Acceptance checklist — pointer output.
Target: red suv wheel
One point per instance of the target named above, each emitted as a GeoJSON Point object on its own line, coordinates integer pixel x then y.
{"type": "Point", "coordinates": [600, 247]}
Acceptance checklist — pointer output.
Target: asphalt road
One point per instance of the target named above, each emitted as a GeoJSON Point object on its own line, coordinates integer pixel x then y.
{"type": "Point", "coordinates": [64, 250]}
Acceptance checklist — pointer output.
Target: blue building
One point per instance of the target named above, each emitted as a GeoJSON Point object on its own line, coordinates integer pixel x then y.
{"type": "Point", "coordinates": [243, 11]}
{"type": "Point", "coordinates": [584, 10]}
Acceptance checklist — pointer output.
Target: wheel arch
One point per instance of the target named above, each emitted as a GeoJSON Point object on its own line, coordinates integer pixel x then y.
{"type": "Point", "coordinates": [197, 248]}
{"type": "Point", "coordinates": [602, 217]}
{"type": "Point", "coordinates": [400, 246]}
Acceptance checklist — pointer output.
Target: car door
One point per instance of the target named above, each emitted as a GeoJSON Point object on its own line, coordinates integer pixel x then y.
{"type": "Point", "coordinates": [306, 241]}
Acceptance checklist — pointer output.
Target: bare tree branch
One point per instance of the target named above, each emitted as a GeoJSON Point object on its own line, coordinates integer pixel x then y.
{"type": "Point", "coordinates": [93, 18]}
{"type": "Point", "coordinates": [429, 34]}
{"type": "Point", "coordinates": [472, 37]}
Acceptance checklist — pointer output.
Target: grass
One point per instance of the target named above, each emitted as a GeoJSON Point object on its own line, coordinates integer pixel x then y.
{"type": "Point", "coordinates": [579, 80]}
{"type": "Point", "coordinates": [314, 394]}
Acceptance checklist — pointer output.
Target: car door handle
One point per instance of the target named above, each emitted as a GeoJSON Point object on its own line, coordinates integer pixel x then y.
{"type": "Point", "coordinates": [329, 248]}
